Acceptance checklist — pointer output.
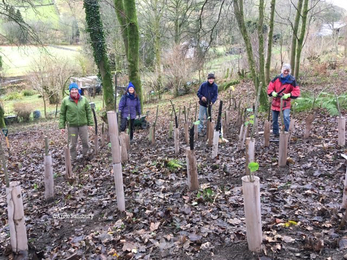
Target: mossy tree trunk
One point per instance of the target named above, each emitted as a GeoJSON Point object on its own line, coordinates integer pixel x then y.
{"type": "Point", "coordinates": [270, 40]}
{"type": "Point", "coordinates": [261, 51]}
{"type": "Point", "coordinates": [97, 39]}
{"type": "Point", "coordinates": [238, 10]}
{"type": "Point", "coordinates": [157, 46]}
{"type": "Point", "coordinates": [2, 117]}
{"type": "Point", "coordinates": [295, 29]}
{"type": "Point", "coordinates": [126, 9]}
{"type": "Point", "coordinates": [301, 39]}
{"type": "Point", "coordinates": [121, 16]}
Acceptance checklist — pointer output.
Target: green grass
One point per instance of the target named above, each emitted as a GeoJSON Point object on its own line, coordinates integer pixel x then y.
{"type": "Point", "coordinates": [42, 13]}
{"type": "Point", "coordinates": [17, 60]}
{"type": "Point", "coordinates": [36, 103]}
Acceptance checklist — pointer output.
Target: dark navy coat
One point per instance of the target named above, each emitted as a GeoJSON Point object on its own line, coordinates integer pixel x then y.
{"type": "Point", "coordinates": [210, 92]}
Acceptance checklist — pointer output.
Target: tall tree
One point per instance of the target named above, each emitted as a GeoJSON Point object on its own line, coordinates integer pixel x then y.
{"type": "Point", "coordinates": [270, 41]}
{"type": "Point", "coordinates": [97, 40]}
{"type": "Point", "coordinates": [301, 38]}
{"type": "Point", "coordinates": [261, 45]}
{"type": "Point", "coordinates": [238, 10]}
{"type": "Point", "coordinates": [295, 29]}
{"type": "Point", "coordinates": [126, 14]}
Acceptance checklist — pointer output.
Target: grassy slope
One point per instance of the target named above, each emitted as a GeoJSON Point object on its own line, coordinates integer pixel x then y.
{"type": "Point", "coordinates": [17, 60]}
{"type": "Point", "coordinates": [36, 103]}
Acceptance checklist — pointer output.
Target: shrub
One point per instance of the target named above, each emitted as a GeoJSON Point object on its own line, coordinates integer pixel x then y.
{"type": "Point", "coordinates": [28, 92]}
{"type": "Point", "coordinates": [23, 111]}
{"type": "Point", "coordinates": [13, 96]}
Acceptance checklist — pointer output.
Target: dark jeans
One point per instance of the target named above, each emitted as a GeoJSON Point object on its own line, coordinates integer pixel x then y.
{"type": "Point", "coordinates": [275, 116]}
{"type": "Point", "coordinates": [124, 124]}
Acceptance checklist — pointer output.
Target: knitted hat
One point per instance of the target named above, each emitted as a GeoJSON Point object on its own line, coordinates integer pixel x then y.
{"type": "Point", "coordinates": [210, 76]}
{"type": "Point", "coordinates": [286, 66]}
{"type": "Point", "coordinates": [73, 85]}
{"type": "Point", "coordinates": [131, 85]}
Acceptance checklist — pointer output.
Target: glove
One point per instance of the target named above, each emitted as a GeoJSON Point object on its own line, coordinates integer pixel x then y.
{"type": "Point", "coordinates": [285, 96]}
{"type": "Point", "coordinates": [274, 94]}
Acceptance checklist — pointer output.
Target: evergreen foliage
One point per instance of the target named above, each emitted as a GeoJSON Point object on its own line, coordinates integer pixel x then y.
{"type": "Point", "coordinates": [97, 40]}
{"type": "Point", "coordinates": [326, 101]}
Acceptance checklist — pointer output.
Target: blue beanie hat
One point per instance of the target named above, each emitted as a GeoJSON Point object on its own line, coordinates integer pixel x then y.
{"type": "Point", "coordinates": [131, 85]}
{"type": "Point", "coordinates": [73, 85]}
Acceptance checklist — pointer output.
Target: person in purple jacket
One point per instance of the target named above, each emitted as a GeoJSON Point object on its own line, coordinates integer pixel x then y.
{"type": "Point", "coordinates": [129, 107]}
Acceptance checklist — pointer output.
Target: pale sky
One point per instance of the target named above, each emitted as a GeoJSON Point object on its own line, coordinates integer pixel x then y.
{"type": "Point", "coordinates": [340, 3]}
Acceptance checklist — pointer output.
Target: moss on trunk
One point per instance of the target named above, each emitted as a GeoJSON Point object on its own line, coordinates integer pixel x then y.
{"type": "Point", "coordinates": [97, 40]}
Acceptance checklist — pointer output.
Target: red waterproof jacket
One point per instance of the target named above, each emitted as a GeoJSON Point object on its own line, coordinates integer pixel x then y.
{"type": "Point", "coordinates": [289, 87]}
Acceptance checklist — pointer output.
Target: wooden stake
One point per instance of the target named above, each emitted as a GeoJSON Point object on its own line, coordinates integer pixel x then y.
{"type": "Point", "coordinates": [177, 140]}
{"type": "Point", "coordinates": [210, 135]}
{"type": "Point", "coordinates": [18, 233]}
{"type": "Point", "coordinates": [150, 134]}
{"type": "Point", "coordinates": [192, 170]}
{"type": "Point", "coordinates": [267, 133]}
{"type": "Point", "coordinates": [96, 144]}
{"type": "Point", "coordinates": [215, 144]}
{"type": "Point", "coordinates": [118, 180]}
{"type": "Point", "coordinates": [291, 128]}
{"type": "Point", "coordinates": [116, 158]}
{"type": "Point", "coordinates": [309, 120]}
{"type": "Point", "coordinates": [226, 124]}
{"type": "Point", "coordinates": [196, 132]}
{"type": "Point", "coordinates": [154, 126]}
{"type": "Point", "coordinates": [250, 153]}
{"type": "Point", "coordinates": [114, 137]}
{"type": "Point", "coordinates": [153, 135]}
{"type": "Point", "coordinates": [170, 129]}
{"type": "Point", "coordinates": [102, 135]}
{"type": "Point", "coordinates": [123, 147]}
{"type": "Point", "coordinates": [344, 194]}
{"type": "Point", "coordinates": [342, 131]}
{"type": "Point", "coordinates": [49, 182]}
{"type": "Point", "coordinates": [68, 168]}
{"type": "Point", "coordinates": [186, 132]}
{"type": "Point", "coordinates": [242, 136]}
{"type": "Point", "coordinates": [283, 149]}
{"type": "Point", "coordinates": [251, 193]}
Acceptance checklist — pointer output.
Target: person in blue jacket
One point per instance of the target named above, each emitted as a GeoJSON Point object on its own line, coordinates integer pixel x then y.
{"type": "Point", "coordinates": [208, 94]}
{"type": "Point", "coordinates": [129, 107]}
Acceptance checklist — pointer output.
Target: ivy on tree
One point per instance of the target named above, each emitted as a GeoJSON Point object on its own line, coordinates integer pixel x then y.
{"type": "Point", "coordinates": [97, 40]}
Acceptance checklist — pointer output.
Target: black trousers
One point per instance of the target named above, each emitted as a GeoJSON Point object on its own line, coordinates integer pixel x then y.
{"type": "Point", "coordinates": [124, 124]}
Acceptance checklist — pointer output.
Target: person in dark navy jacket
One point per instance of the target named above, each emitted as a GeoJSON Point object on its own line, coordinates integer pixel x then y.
{"type": "Point", "coordinates": [208, 94]}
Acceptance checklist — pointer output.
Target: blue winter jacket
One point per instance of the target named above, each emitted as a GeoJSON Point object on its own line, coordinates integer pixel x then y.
{"type": "Point", "coordinates": [129, 106]}
{"type": "Point", "coordinates": [210, 92]}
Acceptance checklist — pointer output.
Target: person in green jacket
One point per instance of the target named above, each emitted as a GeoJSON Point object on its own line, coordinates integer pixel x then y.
{"type": "Point", "coordinates": [76, 113]}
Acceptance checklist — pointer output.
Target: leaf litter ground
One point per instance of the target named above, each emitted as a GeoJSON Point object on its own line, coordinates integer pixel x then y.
{"type": "Point", "coordinates": [300, 203]}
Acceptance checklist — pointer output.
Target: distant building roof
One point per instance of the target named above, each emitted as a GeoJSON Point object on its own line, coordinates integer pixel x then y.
{"type": "Point", "coordinates": [327, 29]}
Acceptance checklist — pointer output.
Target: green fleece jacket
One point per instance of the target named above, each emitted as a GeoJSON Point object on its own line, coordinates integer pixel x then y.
{"type": "Point", "coordinates": [75, 115]}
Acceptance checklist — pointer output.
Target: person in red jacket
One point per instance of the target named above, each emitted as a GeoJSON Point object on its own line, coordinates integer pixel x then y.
{"type": "Point", "coordinates": [285, 84]}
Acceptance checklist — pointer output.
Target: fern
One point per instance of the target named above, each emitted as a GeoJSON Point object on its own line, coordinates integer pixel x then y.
{"type": "Point", "coordinates": [325, 101]}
